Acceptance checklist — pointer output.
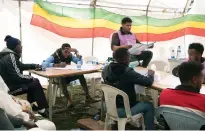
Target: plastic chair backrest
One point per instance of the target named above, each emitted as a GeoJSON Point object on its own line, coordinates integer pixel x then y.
{"type": "Point", "coordinates": [179, 119]}
{"type": "Point", "coordinates": [110, 94]}
{"type": "Point", "coordinates": [158, 65]}
{"type": "Point", "coordinates": [90, 58]}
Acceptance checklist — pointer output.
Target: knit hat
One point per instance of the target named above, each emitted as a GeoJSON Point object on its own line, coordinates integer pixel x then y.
{"type": "Point", "coordinates": [11, 42]}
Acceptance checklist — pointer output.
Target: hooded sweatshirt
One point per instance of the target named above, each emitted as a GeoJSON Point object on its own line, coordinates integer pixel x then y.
{"type": "Point", "coordinates": [124, 78]}
{"type": "Point", "coordinates": [11, 69]}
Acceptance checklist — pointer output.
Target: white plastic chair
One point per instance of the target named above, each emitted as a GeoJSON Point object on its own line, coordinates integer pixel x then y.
{"type": "Point", "coordinates": [110, 94]}
{"type": "Point", "coordinates": [158, 65]}
{"type": "Point", "coordinates": [94, 77]}
{"type": "Point", "coordinates": [180, 118]}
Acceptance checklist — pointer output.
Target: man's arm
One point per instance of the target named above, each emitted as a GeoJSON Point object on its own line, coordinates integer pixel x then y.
{"type": "Point", "coordinates": [49, 62]}
{"type": "Point", "coordinates": [28, 66]}
{"type": "Point", "coordinates": [139, 79]}
{"type": "Point", "coordinates": [175, 71]}
{"type": "Point", "coordinates": [76, 59]}
{"type": "Point", "coordinates": [115, 43]}
{"type": "Point", "coordinates": [14, 71]}
{"type": "Point", "coordinates": [137, 41]}
{"type": "Point", "coordinates": [18, 122]}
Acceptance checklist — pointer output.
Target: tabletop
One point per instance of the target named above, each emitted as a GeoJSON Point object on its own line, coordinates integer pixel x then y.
{"type": "Point", "coordinates": [164, 80]}
{"type": "Point", "coordinates": [57, 72]}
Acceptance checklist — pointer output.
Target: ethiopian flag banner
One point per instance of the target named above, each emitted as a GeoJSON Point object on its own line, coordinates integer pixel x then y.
{"type": "Point", "coordinates": [97, 22]}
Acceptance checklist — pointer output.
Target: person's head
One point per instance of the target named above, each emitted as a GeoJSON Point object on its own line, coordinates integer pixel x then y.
{"type": "Point", "coordinates": [190, 73]}
{"type": "Point", "coordinates": [13, 44]}
{"type": "Point", "coordinates": [195, 51]}
{"type": "Point", "coordinates": [126, 24]}
{"type": "Point", "coordinates": [65, 48]}
{"type": "Point", "coordinates": [122, 56]}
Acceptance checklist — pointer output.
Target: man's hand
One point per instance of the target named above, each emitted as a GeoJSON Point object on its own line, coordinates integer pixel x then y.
{"type": "Point", "coordinates": [151, 72]}
{"type": "Point", "coordinates": [31, 114]}
{"type": "Point", "coordinates": [151, 46]}
{"type": "Point", "coordinates": [62, 64]}
{"type": "Point", "coordinates": [128, 46]}
{"type": "Point", "coordinates": [78, 55]}
{"type": "Point", "coordinates": [29, 125]}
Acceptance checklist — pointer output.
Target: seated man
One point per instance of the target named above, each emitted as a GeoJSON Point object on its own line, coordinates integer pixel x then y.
{"type": "Point", "coordinates": [11, 71]}
{"type": "Point", "coordinates": [62, 57]}
{"type": "Point", "coordinates": [188, 93]}
{"type": "Point", "coordinates": [119, 75]}
{"type": "Point", "coordinates": [15, 112]}
{"type": "Point", "coordinates": [195, 53]}
{"type": "Point", "coordinates": [125, 39]}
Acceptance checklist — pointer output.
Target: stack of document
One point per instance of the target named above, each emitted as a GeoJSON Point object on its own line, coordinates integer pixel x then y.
{"type": "Point", "coordinates": [138, 48]}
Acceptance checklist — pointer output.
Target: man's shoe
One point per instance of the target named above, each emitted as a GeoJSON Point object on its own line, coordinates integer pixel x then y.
{"type": "Point", "coordinates": [45, 114]}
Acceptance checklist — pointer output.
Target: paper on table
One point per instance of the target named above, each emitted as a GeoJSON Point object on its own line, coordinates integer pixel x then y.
{"type": "Point", "coordinates": [74, 67]}
{"type": "Point", "coordinates": [170, 81]}
{"type": "Point", "coordinates": [141, 71]}
{"type": "Point", "coordinates": [137, 48]}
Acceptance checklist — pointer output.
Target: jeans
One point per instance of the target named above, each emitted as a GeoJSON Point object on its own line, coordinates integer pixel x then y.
{"type": "Point", "coordinates": [142, 107]}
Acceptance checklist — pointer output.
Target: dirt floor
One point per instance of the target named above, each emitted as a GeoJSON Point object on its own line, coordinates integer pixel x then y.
{"type": "Point", "coordinates": [67, 120]}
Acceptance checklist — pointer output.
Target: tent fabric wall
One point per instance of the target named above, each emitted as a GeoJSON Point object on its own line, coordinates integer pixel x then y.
{"type": "Point", "coordinates": [80, 23]}
{"type": "Point", "coordinates": [39, 43]}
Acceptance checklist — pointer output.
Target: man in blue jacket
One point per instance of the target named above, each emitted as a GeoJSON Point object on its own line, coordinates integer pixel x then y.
{"type": "Point", "coordinates": [119, 75]}
{"type": "Point", "coordinates": [62, 57]}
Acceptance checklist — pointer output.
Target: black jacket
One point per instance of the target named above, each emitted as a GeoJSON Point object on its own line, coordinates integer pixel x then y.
{"type": "Point", "coordinates": [125, 78]}
{"type": "Point", "coordinates": [11, 69]}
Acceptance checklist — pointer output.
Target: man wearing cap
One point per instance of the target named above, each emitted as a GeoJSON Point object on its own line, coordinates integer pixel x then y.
{"type": "Point", "coordinates": [11, 70]}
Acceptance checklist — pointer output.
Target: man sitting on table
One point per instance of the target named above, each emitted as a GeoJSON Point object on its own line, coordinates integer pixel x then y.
{"type": "Point", "coordinates": [195, 53]}
{"type": "Point", "coordinates": [11, 70]}
{"type": "Point", "coordinates": [125, 39]}
{"type": "Point", "coordinates": [188, 93]}
{"type": "Point", "coordinates": [62, 57]}
{"type": "Point", "coordinates": [119, 75]}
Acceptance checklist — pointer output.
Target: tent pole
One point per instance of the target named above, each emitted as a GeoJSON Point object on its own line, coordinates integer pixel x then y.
{"type": "Point", "coordinates": [147, 18]}
{"type": "Point", "coordinates": [93, 3]}
{"type": "Point", "coordinates": [20, 27]}
{"type": "Point", "coordinates": [93, 31]}
{"type": "Point", "coordinates": [184, 30]}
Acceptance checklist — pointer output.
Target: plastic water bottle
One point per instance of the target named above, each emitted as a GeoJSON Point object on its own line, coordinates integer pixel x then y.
{"type": "Point", "coordinates": [79, 65]}
{"type": "Point", "coordinates": [44, 66]}
{"type": "Point", "coordinates": [179, 52]}
{"type": "Point", "coordinates": [172, 54]}
{"type": "Point", "coordinates": [95, 62]}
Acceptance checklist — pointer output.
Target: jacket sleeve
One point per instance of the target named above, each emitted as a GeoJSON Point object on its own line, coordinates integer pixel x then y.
{"type": "Point", "coordinates": [14, 71]}
{"type": "Point", "coordinates": [175, 71]}
{"type": "Point", "coordinates": [17, 122]}
{"type": "Point", "coordinates": [75, 59]}
{"type": "Point", "coordinates": [139, 79]}
{"type": "Point", "coordinates": [28, 66]}
{"type": "Point", "coordinates": [5, 122]}
{"type": "Point", "coordinates": [49, 62]}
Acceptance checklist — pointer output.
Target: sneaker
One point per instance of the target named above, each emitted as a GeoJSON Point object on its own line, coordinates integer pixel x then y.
{"type": "Point", "coordinates": [45, 114]}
